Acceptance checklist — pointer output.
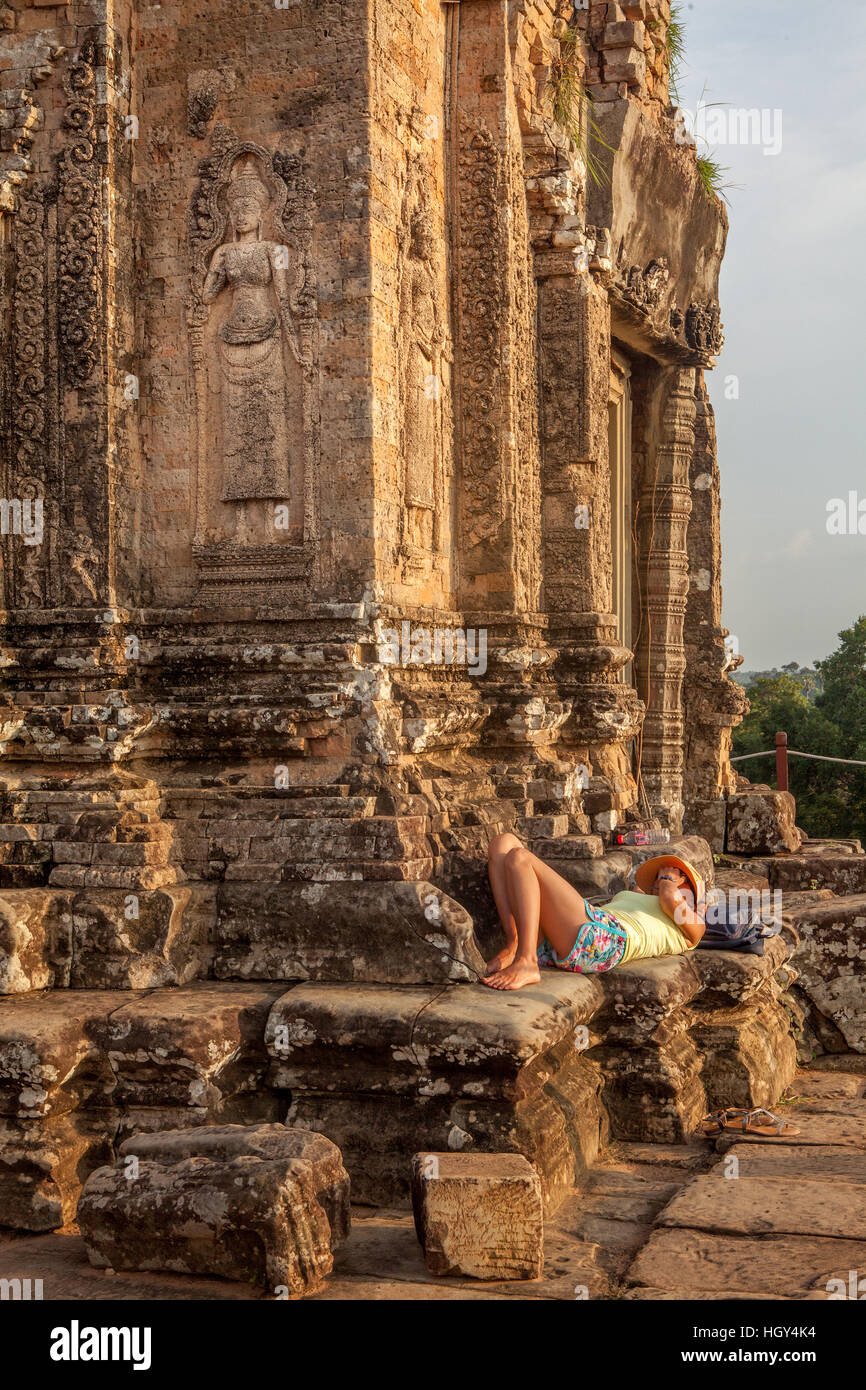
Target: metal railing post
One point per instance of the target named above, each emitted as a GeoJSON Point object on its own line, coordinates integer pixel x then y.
{"type": "Point", "coordinates": [782, 762]}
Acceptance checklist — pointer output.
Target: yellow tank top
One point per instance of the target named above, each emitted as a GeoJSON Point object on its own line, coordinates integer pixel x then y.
{"type": "Point", "coordinates": [649, 930]}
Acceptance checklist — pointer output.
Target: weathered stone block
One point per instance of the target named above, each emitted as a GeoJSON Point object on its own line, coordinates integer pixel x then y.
{"type": "Point", "coordinates": [50, 1062]}
{"type": "Point", "coordinates": [641, 997]}
{"type": "Point", "coordinates": [653, 1093]}
{"type": "Point", "coordinates": [762, 821]}
{"type": "Point", "coordinates": [117, 938]}
{"type": "Point", "coordinates": [200, 1046]}
{"type": "Point", "coordinates": [43, 1164]}
{"type": "Point", "coordinates": [31, 932]}
{"type": "Point", "coordinates": [290, 933]}
{"type": "Point", "coordinates": [388, 1071]}
{"type": "Point", "coordinates": [479, 1215]}
{"type": "Point", "coordinates": [831, 961]}
{"type": "Point", "coordinates": [256, 1203]}
{"type": "Point", "coordinates": [749, 1056]}
{"type": "Point", "coordinates": [708, 820]}
{"type": "Point", "coordinates": [840, 872]}
{"type": "Point", "coordinates": [729, 977]}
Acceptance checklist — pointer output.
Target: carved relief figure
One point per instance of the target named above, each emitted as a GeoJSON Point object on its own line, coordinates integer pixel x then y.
{"type": "Point", "coordinates": [252, 316]}
{"type": "Point", "coordinates": [423, 354]}
{"type": "Point", "coordinates": [253, 348]}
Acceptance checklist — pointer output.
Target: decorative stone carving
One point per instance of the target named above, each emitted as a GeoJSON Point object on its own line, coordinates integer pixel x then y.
{"type": "Point", "coordinates": [645, 286]}
{"type": "Point", "coordinates": [252, 314]}
{"type": "Point", "coordinates": [82, 576]}
{"type": "Point", "coordinates": [25, 564]}
{"type": "Point", "coordinates": [704, 328]}
{"type": "Point", "coordinates": [203, 93]}
{"type": "Point", "coordinates": [250, 371]}
{"type": "Point", "coordinates": [80, 224]}
{"type": "Point", "coordinates": [666, 505]}
{"type": "Point", "coordinates": [481, 295]}
{"type": "Point", "coordinates": [422, 354]}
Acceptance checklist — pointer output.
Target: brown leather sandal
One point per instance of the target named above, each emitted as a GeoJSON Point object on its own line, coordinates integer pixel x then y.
{"type": "Point", "coordinates": [758, 1121]}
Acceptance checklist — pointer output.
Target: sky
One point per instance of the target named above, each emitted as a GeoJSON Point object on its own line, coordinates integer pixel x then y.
{"type": "Point", "coordinates": [790, 428]}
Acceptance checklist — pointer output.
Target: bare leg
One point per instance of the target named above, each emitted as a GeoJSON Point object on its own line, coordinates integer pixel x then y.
{"type": "Point", "coordinates": [542, 904]}
{"type": "Point", "coordinates": [497, 855]}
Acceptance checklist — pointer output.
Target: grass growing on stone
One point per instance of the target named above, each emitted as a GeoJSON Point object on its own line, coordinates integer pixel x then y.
{"type": "Point", "coordinates": [675, 50]}
{"type": "Point", "coordinates": [571, 101]}
{"type": "Point", "coordinates": [712, 177]}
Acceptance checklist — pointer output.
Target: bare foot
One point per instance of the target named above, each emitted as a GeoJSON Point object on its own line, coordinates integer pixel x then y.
{"type": "Point", "coordinates": [501, 959]}
{"type": "Point", "coordinates": [522, 972]}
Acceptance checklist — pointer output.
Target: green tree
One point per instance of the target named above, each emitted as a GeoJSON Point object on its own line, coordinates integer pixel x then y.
{"type": "Point", "coordinates": [831, 798]}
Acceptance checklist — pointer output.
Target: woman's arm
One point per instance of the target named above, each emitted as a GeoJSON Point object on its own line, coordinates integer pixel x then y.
{"type": "Point", "coordinates": [215, 280]}
{"type": "Point", "coordinates": [675, 905]}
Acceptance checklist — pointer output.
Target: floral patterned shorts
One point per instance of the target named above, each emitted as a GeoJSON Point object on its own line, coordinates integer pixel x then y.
{"type": "Point", "coordinates": [600, 944]}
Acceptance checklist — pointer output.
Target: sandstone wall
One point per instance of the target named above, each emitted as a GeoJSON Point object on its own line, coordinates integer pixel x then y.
{"type": "Point", "coordinates": [358, 265]}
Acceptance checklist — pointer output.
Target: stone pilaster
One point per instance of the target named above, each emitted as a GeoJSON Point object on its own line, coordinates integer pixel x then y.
{"type": "Point", "coordinates": [665, 508]}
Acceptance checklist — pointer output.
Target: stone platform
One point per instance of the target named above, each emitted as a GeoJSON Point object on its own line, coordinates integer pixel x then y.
{"type": "Point", "coordinates": [384, 1071]}
{"type": "Point", "coordinates": [649, 1222]}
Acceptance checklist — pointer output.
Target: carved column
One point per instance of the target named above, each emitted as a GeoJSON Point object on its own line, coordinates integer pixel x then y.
{"type": "Point", "coordinates": [67, 439]}
{"type": "Point", "coordinates": [665, 508]}
{"type": "Point", "coordinates": [713, 703]}
{"type": "Point", "coordinates": [574, 351]}
{"type": "Point", "coordinates": [498, 506]}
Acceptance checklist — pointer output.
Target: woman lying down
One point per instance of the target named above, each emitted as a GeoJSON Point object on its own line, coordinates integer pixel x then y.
{"type": "Point", "coordinates": [547, 922]}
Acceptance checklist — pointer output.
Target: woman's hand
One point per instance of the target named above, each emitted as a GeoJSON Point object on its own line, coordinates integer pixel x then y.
{"type": "Point", "coordinates": [670, 885]}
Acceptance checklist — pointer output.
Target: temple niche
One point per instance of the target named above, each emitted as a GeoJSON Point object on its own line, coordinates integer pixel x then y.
{"type": "Point", "coordinates": [250, 319]}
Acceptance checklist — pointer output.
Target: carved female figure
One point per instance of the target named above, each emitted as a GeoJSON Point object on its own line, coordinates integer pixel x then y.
{"type": "Point", "coordinates": [423, 337]}
{"type": "Point", "coordinates": [250, 371]}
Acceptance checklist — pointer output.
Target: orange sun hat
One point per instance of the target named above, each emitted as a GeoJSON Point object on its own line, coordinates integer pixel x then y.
{"type": "Point", "coordinates": [645, 874]}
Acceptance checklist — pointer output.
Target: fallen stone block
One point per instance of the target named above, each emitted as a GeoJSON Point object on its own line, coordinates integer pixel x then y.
{"type": "Point", "coordinates": [478, 1215]}
{"type": "Point", "coordinates": [259, 1203]}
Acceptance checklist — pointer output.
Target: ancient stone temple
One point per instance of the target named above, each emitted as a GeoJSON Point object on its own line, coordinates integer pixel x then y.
{"type": "Point", "coordinates": [360, 502]}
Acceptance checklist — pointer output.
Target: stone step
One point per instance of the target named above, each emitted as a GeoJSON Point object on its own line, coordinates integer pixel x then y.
{"type": "Point", "coordinates": [844, 873]}
{"type": "Point", "coordinates": [386, 1072]}
{"type": "Point", "coordinates": [570, 847]}
{"type": "Point", "coordinates": [287, 932]}
{"type": "Point", "coordinates": [285, 807]}
{"type": "Point", "coordinates": [232, 798]}
{"type": "Point", "coordinates": [82, 1069]}
{"type": "Point", "coordinates": [770, 1205]}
